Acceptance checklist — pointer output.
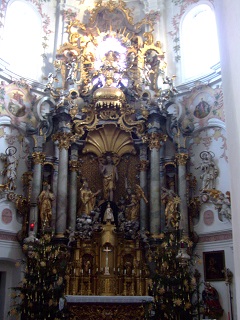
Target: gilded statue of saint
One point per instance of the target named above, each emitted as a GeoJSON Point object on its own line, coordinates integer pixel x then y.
{"type": "Point", "coordinates": [110, 176]}
{"type": "Point", "coordinates": [171, 201]}
{"type": "Point", "coordinates": [133, 207]}
{"type": "Point", "coordinates": [88, 199]}
{"type": "Point", "coordinates": [45, 199]}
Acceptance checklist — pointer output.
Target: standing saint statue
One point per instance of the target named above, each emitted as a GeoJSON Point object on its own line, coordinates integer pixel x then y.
{"type": "Point", "coordinates": [45, 199]}
{"type": "Point", "coordinates": [171, 201]}
{"type": "Point", "coordinates": [209, 170]}
{"type": "Point", "coordinates": [88, 199]}
{"type": "Point", "coordinates": [10, 167]}
{"type": "Point", "coordinates": [212, 306]}
{"type": "Point", "coordinates": [110, 176]}
{"type": "Point", "coordinates": [108, 214]}
{"type": "Point", "coordinates": [133, 206]}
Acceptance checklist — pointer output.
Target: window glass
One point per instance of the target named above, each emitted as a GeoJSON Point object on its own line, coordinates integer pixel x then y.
{"type": "Point", "coordinates": [22, 40]}
{"type": "Point", "coordinates": [199, 42]}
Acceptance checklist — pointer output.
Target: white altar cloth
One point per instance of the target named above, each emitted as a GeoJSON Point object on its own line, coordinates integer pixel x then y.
{"type": "Point", "coordinates": [108, 299]}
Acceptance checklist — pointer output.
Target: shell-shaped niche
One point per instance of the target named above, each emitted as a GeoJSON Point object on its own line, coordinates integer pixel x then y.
{"type": "Point", "coordinates": [109, 139]}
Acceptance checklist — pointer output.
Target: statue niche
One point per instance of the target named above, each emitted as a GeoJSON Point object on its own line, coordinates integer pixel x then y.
{"type": "Point", "coordinates": [105, 162]}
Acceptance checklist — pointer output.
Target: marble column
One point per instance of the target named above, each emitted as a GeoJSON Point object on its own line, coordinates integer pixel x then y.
{"type": "Point", "coordinates": [64, 140]}
{"type": "Point", "coordinates": [143, 183]}
{"type": "Point", "coordinates": [182, 191]}
{"type": "Point", "coordinates": [155, 140]}
{"type": "Point", "coordinates": [74, 167]}
{"type": "Point", "coordinates": [162, 184]}
{"type": "Point", "coordinates": [54, 187]}
{"type": "Point", "coordinates": [38, 160]}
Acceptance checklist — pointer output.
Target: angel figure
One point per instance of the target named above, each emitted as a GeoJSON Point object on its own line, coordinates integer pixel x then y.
{"type": "Point", "coordinates": [71, 236]}
{"type": "Point", "coordinates": [223, 204]}
{"type": "Point", "coordinates": [171, 200]}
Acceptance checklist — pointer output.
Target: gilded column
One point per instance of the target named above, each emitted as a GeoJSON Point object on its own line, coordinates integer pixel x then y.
{"type": "Point", "coordinates": [155, 140]}
{"type": "Point", "coordinates": [38, 160]}
{"type": "Point", "coordinates": [64, 140]}
{"type": "Point", "coordinates": [182, 190]}
{"type": "Point", "coordinates": [74, 167]}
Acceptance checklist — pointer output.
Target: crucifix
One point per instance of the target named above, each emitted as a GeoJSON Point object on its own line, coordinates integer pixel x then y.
{"type": "Point", "coordinates": [106, 269]}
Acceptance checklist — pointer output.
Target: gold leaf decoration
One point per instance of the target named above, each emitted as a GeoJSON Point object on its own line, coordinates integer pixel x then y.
{"type": "Point", "coordinates": [109, 139]}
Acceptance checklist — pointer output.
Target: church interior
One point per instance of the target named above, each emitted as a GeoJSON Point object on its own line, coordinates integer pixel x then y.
{"type": "Point", "coordinates": [119, 159]}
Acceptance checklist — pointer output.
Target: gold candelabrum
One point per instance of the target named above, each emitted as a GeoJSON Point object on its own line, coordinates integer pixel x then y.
{"type": "Point", "coordinates": [108, 265]}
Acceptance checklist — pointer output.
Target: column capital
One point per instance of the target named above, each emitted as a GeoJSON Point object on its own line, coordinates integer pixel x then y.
{"type": "Point", "coordinates": [74, 165]}
{"type": "Point", "coordinates": [155, 140]}
{"type": "Point", "coordinates": [64, 139]}
{"type": "Point", "coordinates": [38, 157]}
{"type": "Point", "coordinates": [182, 158]}
{"type": "Point", "coordinates": [143, 166]}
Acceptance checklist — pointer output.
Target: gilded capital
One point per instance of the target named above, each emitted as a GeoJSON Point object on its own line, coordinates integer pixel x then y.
{"type": "Point", "coordinates": [143, 166]}
{"type": "Point", "coordinates": [182, 158]}
{"type": "Point", "coordinates": [155, 140]}
{"type": "Point", "coordinates": [74, 165]}
{"type": "Point", "coordinates": [38, 157]}
{"type": "Point", "coordinates": [64, 139]}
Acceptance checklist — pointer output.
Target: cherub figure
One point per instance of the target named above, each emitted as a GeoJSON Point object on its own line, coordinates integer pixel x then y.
{"type": "Point", "coordinates": [223, 204]}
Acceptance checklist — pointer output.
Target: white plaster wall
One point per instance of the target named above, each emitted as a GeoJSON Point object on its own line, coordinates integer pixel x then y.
{"type": "Point", "coordinates": [227, 14]}
{"type": "Point", "coordinates": [216, 226]}
{"type": "Point", "coordinates": [220, 286]}
{"type": "Point", "coordinates": [16, 223]}
{"type": "Point", "coordinates": [10, 253]}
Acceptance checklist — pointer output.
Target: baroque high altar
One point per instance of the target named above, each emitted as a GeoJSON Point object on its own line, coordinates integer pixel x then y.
{"type": "Point", "coordinates": [109, 163]}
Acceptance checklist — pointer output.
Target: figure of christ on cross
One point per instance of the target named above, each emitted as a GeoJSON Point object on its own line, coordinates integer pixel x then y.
{"type": "Point", "coordinates": [106, 269]}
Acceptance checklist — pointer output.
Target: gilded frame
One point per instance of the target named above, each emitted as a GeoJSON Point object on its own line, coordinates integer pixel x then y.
{"type": "Point", "coordinates": [214, 265]}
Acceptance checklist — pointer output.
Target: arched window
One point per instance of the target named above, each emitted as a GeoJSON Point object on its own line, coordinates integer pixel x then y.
{"type": "Point", "coordinates": [22, 40]}
{"type": "Point", "coordinates": [199, 42]}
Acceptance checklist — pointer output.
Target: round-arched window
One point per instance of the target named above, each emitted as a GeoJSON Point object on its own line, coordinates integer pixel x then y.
{"type": "Point", "coordinates": [199, 42]}
{"type": "Point", "coordinates": [22, 39]}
